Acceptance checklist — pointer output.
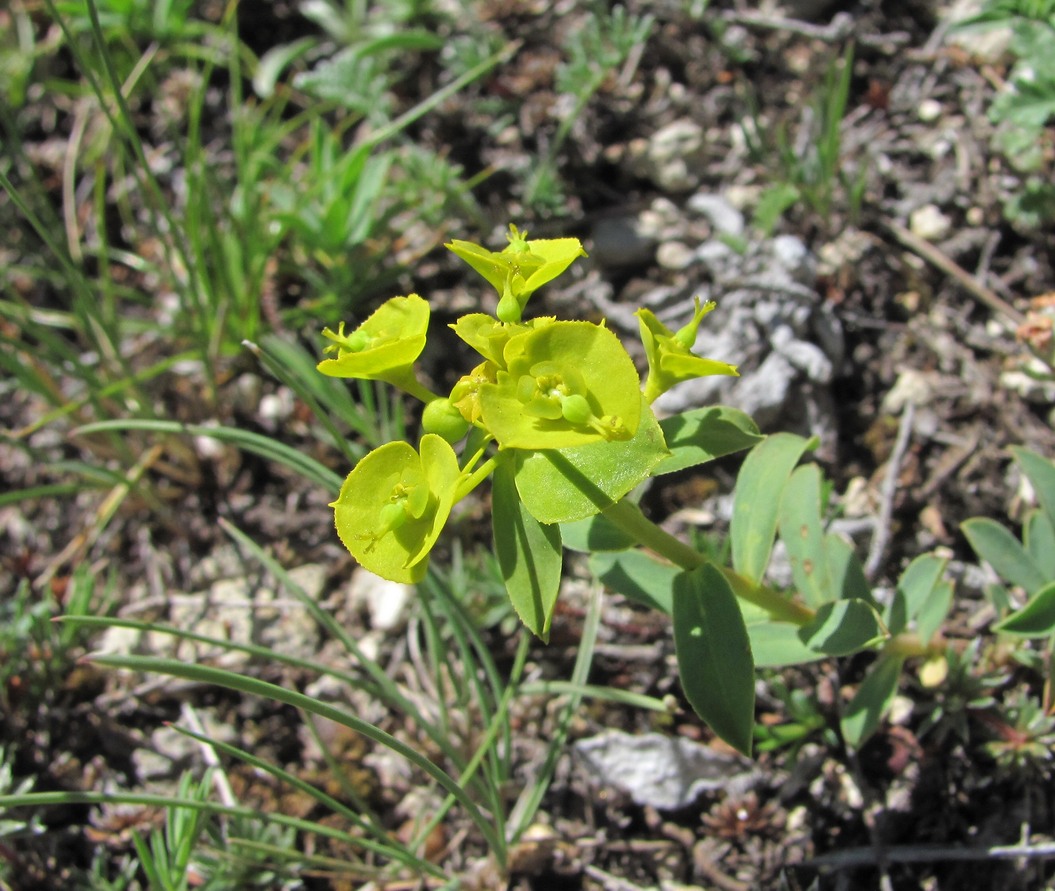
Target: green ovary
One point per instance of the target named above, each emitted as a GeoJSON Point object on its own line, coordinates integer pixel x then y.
{"type": "Point", "coordinates": [551, 392]}
{"type": "Point", "coordinates": [409, 500]}
{"type": "Point", "coordinates": [343, 343]}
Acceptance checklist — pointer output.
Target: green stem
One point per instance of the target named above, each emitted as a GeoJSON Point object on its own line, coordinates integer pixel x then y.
{"type": "Point", "coordinates": [628, 517]}
{"type": "Point", "coordinates": [475, 478]}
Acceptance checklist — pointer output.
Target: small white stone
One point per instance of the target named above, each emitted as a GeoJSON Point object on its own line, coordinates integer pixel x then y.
{"type": "Point", "coordinates": [928, 222]}
{"type": "Point", "coordinates": [912, 386]}
{"type": "Point", "coordinates": [929, 110]}
{"type": "Point", "coordinates": [718, 211]}
{"type": "Point", "coordinates": [277, 406]}
{"type": "Point", "coordinates": [385, 601]}
{"type": "Point", "coordinates": [674, 255]}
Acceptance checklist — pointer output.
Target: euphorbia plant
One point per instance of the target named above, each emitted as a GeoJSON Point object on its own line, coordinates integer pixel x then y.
{"type": "Point", "coordinates": [556, 412]}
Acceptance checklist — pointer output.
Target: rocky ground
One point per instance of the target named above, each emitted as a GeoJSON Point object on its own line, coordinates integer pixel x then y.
{"type": "Point", "coordinates": [887, 316]}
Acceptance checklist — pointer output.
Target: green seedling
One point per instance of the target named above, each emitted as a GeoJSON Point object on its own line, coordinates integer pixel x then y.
{"type": "Point", "coordinates": [1024, 596]}
{"type": "Point", "coordinates": [1027, 564]}
{"type": "Point", "coordinates": [811, 167]}
{"type": "Point", "coordinates": [1025, 106]}
{"type": "Point", "coordinates": [594, 53]}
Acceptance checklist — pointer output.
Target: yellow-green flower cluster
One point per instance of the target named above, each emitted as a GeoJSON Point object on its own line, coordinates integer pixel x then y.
{"type": "Point", "coordinates": [543, 386]}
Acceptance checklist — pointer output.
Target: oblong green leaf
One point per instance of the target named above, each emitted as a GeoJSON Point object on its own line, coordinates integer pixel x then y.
{"type": "Point", "coordinates": [872, 700]}
{"type": "Point", "coordinates": [637, 576]}
{"type": "Point", "coordinates": [528, 552]}
{"type": "Point", "coordinates": [842, 627]}
{"type": "Point", "coordinates": [777, 644]}
{"type": "Point", "coordinates": [845, 570]}
{"type": "Point", "coordinates": [759, 485]}
{"type": "Point", "coordinates": [596, 533]}
{"type": "Point", "coordinates": [1041, 474]}
{"type": "Point", "coordinates": [714, 655]}
{"type": "Point", "coordinates": [563, 485]}
{"type": "Point", "coordinates": [1000, 549]}
{"type": "Point", "coordinates": [802, 532]}
{"type": "Point", "coordinates": [933, 612]}
{"type": "Point", "coordinates": [1035, 619]}
{"type": "Point", "coordinates": [1038, 533]}
{"type": "Point", "coordinates": [914, 589]}
{"type": "Point", "coordinates": [703, 434]}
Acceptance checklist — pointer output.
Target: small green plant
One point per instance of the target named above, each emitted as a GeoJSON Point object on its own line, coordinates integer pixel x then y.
{"type": "Point", "coordinates": [1023, 743]}
{"type": "Point", "coordinates": [1026, 564]}
{"type": "Point", "coordinates": [804, 720]}
{"type": "Point", "coordinates": [36, 654]}
{"type": "Point", "coordinates": [1023, 109]}
{"type": "Point", "coordinates": [199, 849]}
{"type": "Point", "coordinates": [14, 826]}
{"type": "Point", "coordinates": [556, 412]}
{"type": "Point", "coordinates": [811, 169]}
{"type": "Point", "coordinates": [594, 53]}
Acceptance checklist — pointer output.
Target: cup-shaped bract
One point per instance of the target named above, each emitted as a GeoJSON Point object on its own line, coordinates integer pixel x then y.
{"type": "Point", "coordinates": [393, 505]}
{"type": "Point", "coordinates": [489, 337]}
{"type": "Point", "coordinates": [521, 268]}
{"type": "Point", "coordinates": [564, 384]}
{"type": "Point", "coordinates": [384, 347]}
{"type": "Point", "coordinates": [670, 357]}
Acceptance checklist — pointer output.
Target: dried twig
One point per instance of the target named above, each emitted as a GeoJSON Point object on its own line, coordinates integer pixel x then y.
{"type": "Point", "coordinates": [881, 537]}
{"type": "Point", "coordinates": [219, 777]}
{"type": "Point", "coordinates": [841, 27]}
{"type": "Point", "coordinates": [713, 874]}
{"type": "Point", "coordinates": [971, 283]}
{"type": "Point", "coordinates": [931, 854]}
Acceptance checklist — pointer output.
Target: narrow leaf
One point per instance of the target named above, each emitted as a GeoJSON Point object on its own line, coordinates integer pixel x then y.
{"type": "Point", "coordinates": [1041, 474]}
{"type": "Point", "coordinates": [845, 570]}
{"type": "Point", "coordinates": [529, 554]}
{"type": "Point", "coordinates": [777, 644]}
{"type": "Point", "coordinates": [759, 485]}
{"type": "Point", "coordinates": [1035, 619]}
{"type": "Point", "coordinates": [872, 700]}
{"type": "Point", "coordinates": [275, 61]}
{"type": "Point", "coordinates": [914, 589]}
{"type": "Point", "coordinates": [1039, 536]}
{"type": "Point", "coordinates": [714, 655]}
{"type": "Point", "coordinates": [802, 532]}
{"type": "Point", "coordinates": [932, 614]}
{"type": "Point", "coordinates": [596, 533]}
{"type": "Point", "coordinates": [1001, 550]}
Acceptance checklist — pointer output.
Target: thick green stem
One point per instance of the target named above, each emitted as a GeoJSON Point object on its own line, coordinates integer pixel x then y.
{"type": "Point", "coordinates": [628, 517]}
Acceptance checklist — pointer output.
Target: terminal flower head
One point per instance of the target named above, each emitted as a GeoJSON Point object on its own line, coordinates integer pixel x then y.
{"type": "Point", "coordinates": [670, 357]}
{"type": "Point", "coordinates": [521, 268]}
{"type": "Point", "coordinates": [393, 505]}
{"type": "Point", "coordinates": [384, 347]}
